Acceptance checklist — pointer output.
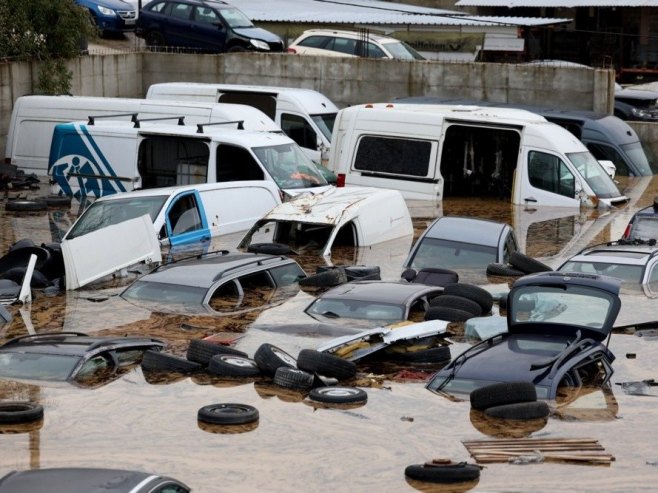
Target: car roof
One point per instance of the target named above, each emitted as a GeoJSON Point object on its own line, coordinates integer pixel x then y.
{"type": "Point", "coordinates": [467, 230]}
{"type": "Point", "coordinates": [630, 254]}
{"type": "Point", "coordinates": [71, 343]}
{"type": "Point", "coordinates": [349, 34]}
{"type": "Point", "coordinates": [204, 270]}
{"type": "Point", "coordinates": [380, 291]}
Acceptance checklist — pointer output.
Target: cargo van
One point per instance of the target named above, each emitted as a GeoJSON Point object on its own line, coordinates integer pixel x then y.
{"type": "Point", "coordinates": [606, 136]}
{"type": "Point", "coordinates": [33, 120]}
{"type": "Point", "coordinates": [306, 116]}
{"type": "Point", "coordinates": [184, 214]}
{"type": "Point", "coordinates": [105, 156]}
{"type": "Point", "coordinates": [429, 152]}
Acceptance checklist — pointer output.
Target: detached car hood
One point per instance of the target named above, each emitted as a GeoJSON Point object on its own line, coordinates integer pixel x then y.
{"type": "Point", "coordinates": [257, 33]}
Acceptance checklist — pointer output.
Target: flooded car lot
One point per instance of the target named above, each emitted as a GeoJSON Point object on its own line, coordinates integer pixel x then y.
{"type": "Point", "coordinates": [145, 423]}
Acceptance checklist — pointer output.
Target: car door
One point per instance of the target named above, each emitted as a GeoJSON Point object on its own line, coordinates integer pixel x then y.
{"type": "Point", "coordinates": [178, 27]}
{"type": "Point", "coordinates": [208, 30]}
{"type": "Point", "coordinates": [186, 220]}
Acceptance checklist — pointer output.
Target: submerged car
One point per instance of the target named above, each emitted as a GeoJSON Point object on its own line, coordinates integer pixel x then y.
{"type": "Point", "coordinates": [71, 356]}
{"type": "Point", "coordinates": [557, 325]}
{"type": "Point", "coordinates": [453, 242]}
{"type": "Point", "coordinates": [218, 282]}
{"type": "Point", "coordinates": [643, 225]}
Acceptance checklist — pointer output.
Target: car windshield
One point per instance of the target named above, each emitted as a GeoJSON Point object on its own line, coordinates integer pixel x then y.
{"type": "Point", "coordinates": [402, 51]}
{"type": "Point", "coordinates": [36, 366]}
{"type": "Point", "coordinates": [164, 293]}
{"type": "Point", "coordinates": [356, 309]}
{"type": "Point", "coordinates": [108, 212]}
{"type": "Point", "coordinates": [596, 177]}
{"type": "Point", "coordinates": [644, 228]}
{"type": "Point", "coordinates": [637, 155]}
{"type": "Point", "coordinates": [235, 18]}
{"type": "Point", "coordinates": [628, 273]}
{"type": "Point", "coordinates": [325, 122]}
{"type": "Point", "coordinates": [289, 166]}
{"type": "Point", "coordinates": [450, 254]}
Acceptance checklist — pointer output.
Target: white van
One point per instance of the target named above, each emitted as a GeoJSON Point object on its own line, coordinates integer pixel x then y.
{"type": "Point", "coordinates": [429, 152]}
{"type": "Point", "coordinates": [105, 156]}
{"type": "Point", "coordinates": [184, 214]}
{"type": "Point", "coordinates": [34, 118]}
{"type": "Point", "coordinates": [305, 115]}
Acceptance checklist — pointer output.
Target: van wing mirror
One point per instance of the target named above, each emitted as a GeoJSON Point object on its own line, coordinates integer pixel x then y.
{"type": "Point", "coordinates": [609, 167]}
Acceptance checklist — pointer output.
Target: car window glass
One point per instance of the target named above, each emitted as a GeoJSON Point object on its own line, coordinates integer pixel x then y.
{"type": "Point", "coordinates": [550, 173]}
{"type": "Point", "coordinates": [396, 156]}
{"type": "Point", "coordinates": [93, 365]}
{"type": "Point", "coordinates": [314, 42]}
{"type": "Point", "coordinates": [36, 366]}
{"type": "Point", "coordinates": [184, 215]}
{"type": "Point", "coordinates": [344, 45]}
{"type": "Point", "coordinates": [450, 254]}
{"type": "Point", "coordinates": [205, 15]}
{"type": "Point", "coordinates": [235, 18]}
{"type": "Point", "coordinates": [289, 167]}
{"type": "Point", "coordinates": [226, 297]}
{"type": "Point", "coordinates": [357, 309]}
{"type": "Point", "coordinates": [285, 275]}
{"type": "Point", "coordinates": [157, 7]}
{"type": "Point", "coordinates": [168, 161]}
{"type": "Point", "coordinates": [181, 11]}
{"type": "Point", "coordinates": [608, 153]}
{"type": "Point", "coordinates": [374, 51]}
{"type": "Point", "coordinates": [171, 488]}
{"type": "Point", "coordinates": [235, 164]}
{"type": "Point", "coordinates": [299, 130]}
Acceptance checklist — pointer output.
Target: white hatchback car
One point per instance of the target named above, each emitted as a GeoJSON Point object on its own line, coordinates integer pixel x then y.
{"type": "Point", "coordinates": [331, 42]}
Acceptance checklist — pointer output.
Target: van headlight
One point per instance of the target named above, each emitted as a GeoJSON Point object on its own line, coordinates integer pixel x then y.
{"type": "Point", "coordinates": [260, 45]}
{"type": "Point", "coordinates": [106, 11]}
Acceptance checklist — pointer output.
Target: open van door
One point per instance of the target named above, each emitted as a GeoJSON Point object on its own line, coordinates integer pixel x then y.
{"type": "Point", "coordinates": [185, 219]}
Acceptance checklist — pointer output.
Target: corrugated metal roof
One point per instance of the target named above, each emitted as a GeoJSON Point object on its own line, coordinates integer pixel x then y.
{"type": "Point", "coordinates": [557, 3]}
{"type": "Point", "coordinates": [373, 12]}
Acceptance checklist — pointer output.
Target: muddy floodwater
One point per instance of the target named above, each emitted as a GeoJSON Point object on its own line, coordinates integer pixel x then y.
{"type": "Point", "coordinates": [138, 421]}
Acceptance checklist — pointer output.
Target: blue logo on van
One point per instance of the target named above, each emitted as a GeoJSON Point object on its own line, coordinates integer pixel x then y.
{"type": "Point", "coordinates": [78, 166]}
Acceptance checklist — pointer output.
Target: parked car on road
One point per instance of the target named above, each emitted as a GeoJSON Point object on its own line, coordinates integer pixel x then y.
{"type": "Point", "coordinates": [557, 324]}
{"type": "Point", "coordinates": [644, 224]}
{"type": "Point", "coordinates": [111, 16]}
{"type": "Point", "coordinates": [330, 42]}
{"type": "Point", "coordinates": [207, 25]}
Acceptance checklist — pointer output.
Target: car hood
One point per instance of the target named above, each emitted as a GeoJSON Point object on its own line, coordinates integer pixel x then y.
{"type": "Point", "coordinates": [111, 4]}
{"type": "Point", "coordinates": [257, 33]}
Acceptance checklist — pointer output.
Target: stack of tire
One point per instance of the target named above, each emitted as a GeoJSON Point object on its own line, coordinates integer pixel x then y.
{"type": "Point", "coordinates": [509, 400]}
{"type": "Point", "coordinates": [519, 265]}
{"type": "Point", "coordinates": [48, 270]}
{"type": "Point", "coordinates": [37, 204]}
{"type": "Point", "coordinates": [459, 302]}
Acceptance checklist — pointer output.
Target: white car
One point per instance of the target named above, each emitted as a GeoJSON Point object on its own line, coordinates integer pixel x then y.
{"type": "Point", "coordinates": [330, 42]}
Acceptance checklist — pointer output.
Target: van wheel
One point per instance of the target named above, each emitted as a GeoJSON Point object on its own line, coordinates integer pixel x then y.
{"type": "Point", "coordinates": [154, 40]}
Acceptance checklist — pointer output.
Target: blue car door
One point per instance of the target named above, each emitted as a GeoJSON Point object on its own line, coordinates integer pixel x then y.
{"type": "Point", "coordinates": [186, 219]}
{"type": "Point", "coordinates": [208, 30]}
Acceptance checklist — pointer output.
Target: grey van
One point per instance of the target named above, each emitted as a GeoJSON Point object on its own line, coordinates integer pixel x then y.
{"type": "Point", "coordinates": [606, 136]}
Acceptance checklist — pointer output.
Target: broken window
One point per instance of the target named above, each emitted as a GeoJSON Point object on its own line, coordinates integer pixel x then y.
{"type": "Point", "coordinates": [394, 156]}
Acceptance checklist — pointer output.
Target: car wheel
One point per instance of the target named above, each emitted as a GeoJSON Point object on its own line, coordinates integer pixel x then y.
{"type": "Point", "coordinates": [457, 302]}
{"type": "Point", "coordinates": [338, 395]}
{"type": "Point", "coordinates": [230, 365]}
{"type": "Point", "coordinates": [325, 364]}
{"type": "Point", "coordinates": [527, 264]}
{"type": "Point", "coordinates": [200, 351]}
{"type": "Point", "coordinates": [19, 412]}
{"type": "Point", "coordinates": [325, 279]}
{"type": "Point", "coordinates": [506, 270]}
{"type": "Point", "coordinates": [269, 357]}
{"type": "Point", "coordinates": [227, 414]}
{"type": "Point", "coordinates": [292, 378]}
{"type": "Point", "coordinates": [20, 205]}
{"type": "Point", "coordinates": [58, 201]}
{"type": "Point", "coordinates": [154, 40]}
{"type": "Point", "coordinates": [270, 248]}
{"type": "Point", "coordinates": [481, 296]}
{"type": "Point", "coordinates": [237, 49]}
{"type": "Point", "coordinates": [519, 410]}
{"type": "Point", "coordinates": [447, 314]}
{"type": "Point", "coordinates": [499, 394]}
{"type": "Point", "coordinates": [443, 472]}
{"type": "Point", "coordinates": [159, 361]}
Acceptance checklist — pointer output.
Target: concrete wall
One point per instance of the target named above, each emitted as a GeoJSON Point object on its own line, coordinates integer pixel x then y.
{"type": "Point", "coordinates": [648, 133]}
{"type": "Point", "coordinates": [345, 81]}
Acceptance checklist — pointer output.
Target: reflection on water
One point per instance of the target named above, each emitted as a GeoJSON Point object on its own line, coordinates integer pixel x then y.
{"type": "Point", "coordinates": [149, 421]}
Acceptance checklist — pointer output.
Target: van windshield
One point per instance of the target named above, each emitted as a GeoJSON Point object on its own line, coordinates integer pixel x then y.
{"type": "Point", "coordinates": [289, 167]}
{"type": "Point", "coordinates": [325, 123]}
{"type": "Point", "coordinates": [108, 212]}
{"type": "Point", "coordinates": [638, 156]}
{"type": "Point", "coordinates": [594, 174]}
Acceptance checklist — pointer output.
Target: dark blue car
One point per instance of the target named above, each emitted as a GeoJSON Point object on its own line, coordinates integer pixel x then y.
{"type": "Point", "coordinates": [205, 25]}
{"type": "Point", "coordinates": [111, 16]}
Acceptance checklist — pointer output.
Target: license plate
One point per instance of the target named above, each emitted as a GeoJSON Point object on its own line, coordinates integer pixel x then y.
{"type": "Point", "coordinates": [129, 22]}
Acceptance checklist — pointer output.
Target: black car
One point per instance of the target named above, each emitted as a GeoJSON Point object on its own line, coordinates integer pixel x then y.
{"type": "Point", "coordinates": [206, 25]}
{"type": "Point", "coordinates": [87, 480]}
{"type": "Point", "coordinates": [71, 356]}
{"type": "Point", "coordinates": [557, 325]}
{"type": "Point", "coordinates": [636, 105]}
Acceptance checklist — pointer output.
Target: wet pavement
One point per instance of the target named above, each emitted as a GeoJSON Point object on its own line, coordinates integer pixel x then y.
{"type": "Point", "coordinates": [141, 421]}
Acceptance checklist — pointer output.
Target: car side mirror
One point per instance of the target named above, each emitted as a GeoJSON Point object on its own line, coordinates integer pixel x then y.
{"type": "Point", "coordinates": [609, 167]}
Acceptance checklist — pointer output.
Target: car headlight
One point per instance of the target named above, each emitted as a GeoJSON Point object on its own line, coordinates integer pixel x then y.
{"type": "Point", "coordinates": [106, 11]}
{"type": "Point", "coordinates": [641, 113]}
{"type": "Point", "coordinates": [261, 45]}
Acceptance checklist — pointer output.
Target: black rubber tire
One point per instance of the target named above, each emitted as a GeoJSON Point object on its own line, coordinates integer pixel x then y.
{"type": "Point", "coordinates": [21, 205]}
{"type": "Point", "coordinates": [325, 364]}
{"type": "Point", "coordinates": [357, 272]}
{"type": "Point", "coordinates": [237, 49]}
{"type": "Point", "coordinates": [519, 410]}
{"type": "Point", "coordinates": [449, 473]}
{"type": "Point", "coordinates": [448, 314]}
{"type": "Point", "coordinates": [154, 39]}
{"type": "Point", "coordinates": [230, 365]}
{"type": "Point", "coordinates": [270, 248]}
{"type": "Point", "coordinates": [22, 243]}
{"type": "Point", "coordinates": [58, 201]}
{"type": "Point", "coordinates": [527, 264]}
{"type": "Point", "coordinates": [437, 354]}
{"type": "Point", "coordinates": [12, 412]}
{"type": "Point", "coordinates": [20, 257]}
{"type": "Point", "coordinates": [16, 274]}
{"type": "Point", "coordinates": [292, 378]}
{"type": "Point", "coordinates": [325, 279]}
{"type": "Point", "coordinates": [458, 303]}
{"type": "Point", "coordinates": [503, 270]}
{"type": "Point", "coordinates": [228, 414]}
{"type": "Point", "coordinates": [200, 351]}
{"type": "Point", "coordinates": [480, 295]}
{"type": "Point", "coordinates": [499, 394]}
{"type": "Point", "coordinates": [269, 357]}
{"type": "Point", "coordinates": [159, 361]}
{"type": "Point", "coordinates": [338, 395]}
